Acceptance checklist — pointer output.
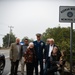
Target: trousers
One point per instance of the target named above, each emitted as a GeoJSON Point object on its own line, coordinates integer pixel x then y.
{"type": "Point", "coordinates": [22, 65]}
{"type": "Point", "coordinates": [14, 67]}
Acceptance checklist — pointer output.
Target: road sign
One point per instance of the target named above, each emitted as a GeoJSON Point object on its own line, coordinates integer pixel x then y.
{"type": "Point", "coordinates": [67, 14]}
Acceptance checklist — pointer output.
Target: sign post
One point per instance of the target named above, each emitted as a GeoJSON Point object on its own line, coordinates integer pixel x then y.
{"type": "Point", "coordinates": [67, 14]}
{"type": "Point", "coordinates": [71, 29]}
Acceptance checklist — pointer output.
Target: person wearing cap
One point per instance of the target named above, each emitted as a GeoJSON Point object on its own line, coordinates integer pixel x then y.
{"type": "Point", "coordinates": [39, 46]}
{"type": "Point", "coordinates": [24, 48]}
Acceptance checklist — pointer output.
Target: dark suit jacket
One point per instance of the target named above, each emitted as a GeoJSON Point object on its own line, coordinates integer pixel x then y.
{"type": "Point", "coordinates": [46, 52]}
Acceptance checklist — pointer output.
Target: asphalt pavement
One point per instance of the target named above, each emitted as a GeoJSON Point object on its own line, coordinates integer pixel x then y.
{"type": "Point", "coordinates": [5, 52]}
{"type": "Point", "coordinates": [8, 65]}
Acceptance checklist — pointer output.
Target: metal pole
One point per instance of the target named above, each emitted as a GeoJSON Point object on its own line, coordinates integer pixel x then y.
{"type": "Point", "coordinates": [71, 29]}
{"type": "Point", "coordinates": [9, 38]}
{"type": "Point", "coordinates": [9, 34]}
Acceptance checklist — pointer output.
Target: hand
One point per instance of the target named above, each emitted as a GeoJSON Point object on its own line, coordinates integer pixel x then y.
{"type": "Point", "coordinates": [23, 58]}
{"type": "Point", "coordinates": [44, 60]}
{"type": "Point", "coordinates": [11, 59]}
{"type": "Point", "coordinates": [59, 68]}
{"type": "Point", "coordinates": [58, 65]}
{"type": "Point", "coordinates": [61, 62]}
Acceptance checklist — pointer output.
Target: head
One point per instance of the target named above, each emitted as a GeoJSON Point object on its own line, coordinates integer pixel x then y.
{"type": "Point", "coordinates": [51, 41]}
{"type": "Point", "coordinates": [48, 41]}
{"type": "Point", "coordinates": [31, 45]}
{"type": "Point", "coordinates": [55, 49]}
{"type": "Point", "coordinates": [26, 41]}
{"type": "Point", "coordinates": [17, 40]}
{"type": "Point", "coordinates": [38, 35]}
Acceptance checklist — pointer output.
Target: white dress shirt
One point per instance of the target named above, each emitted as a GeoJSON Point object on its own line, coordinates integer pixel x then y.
{"type": "Point", "coordinates": [50, 50]}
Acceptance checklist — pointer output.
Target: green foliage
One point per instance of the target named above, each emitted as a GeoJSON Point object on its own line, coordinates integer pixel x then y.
{"type": "Point", "coordinates": [6, 41]}
{"type": "Point", "coordinates": [24, 38]}
{"type": "Point", "coordinates": [61, 37]}
{"type": "Point", "coordinates": [30, 40]}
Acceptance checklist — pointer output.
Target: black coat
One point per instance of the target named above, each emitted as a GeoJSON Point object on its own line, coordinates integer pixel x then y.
{"type": "Point", "coordinates": [39, 47]}
{"type": "Point", "coordinates": [46, 52]}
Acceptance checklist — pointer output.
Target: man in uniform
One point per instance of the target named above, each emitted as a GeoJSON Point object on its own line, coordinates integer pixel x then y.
{"type": "Point", "coordinates": [39, 46]}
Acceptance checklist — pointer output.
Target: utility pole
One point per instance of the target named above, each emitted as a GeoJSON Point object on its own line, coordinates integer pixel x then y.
{"type": "Point", "coordinates": [10, 34]}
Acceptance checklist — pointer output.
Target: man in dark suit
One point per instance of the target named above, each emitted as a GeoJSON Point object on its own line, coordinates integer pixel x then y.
{"type": "Point", "coordinates": [39, 46]}
{"type": "Point", "coordinates": [47, 54]}
{"type": "Point", "coordinates": [15, 56]}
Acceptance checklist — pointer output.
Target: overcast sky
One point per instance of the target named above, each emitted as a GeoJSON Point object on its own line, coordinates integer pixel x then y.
{"type": "Point", "coordinates": [29, 17]}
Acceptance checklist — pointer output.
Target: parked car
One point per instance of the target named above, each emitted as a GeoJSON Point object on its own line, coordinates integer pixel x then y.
{"type": "Point", "coordinates": [2, 63]}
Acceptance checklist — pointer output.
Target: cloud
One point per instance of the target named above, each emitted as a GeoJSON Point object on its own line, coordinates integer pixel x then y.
{"type": "Point", "coordinates": [30, 17]}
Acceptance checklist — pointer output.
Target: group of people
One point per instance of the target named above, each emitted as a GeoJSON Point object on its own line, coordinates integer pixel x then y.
{"type": "Point", "coordinates": [35, 53]}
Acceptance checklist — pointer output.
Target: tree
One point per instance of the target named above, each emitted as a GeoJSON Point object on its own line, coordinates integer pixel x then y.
{"type": "Point", "coordinates": [6, 41]}
{"type": "Point", "coordinates": [30, 40]}
{"type": "Point", "coordinates": [61, 37]}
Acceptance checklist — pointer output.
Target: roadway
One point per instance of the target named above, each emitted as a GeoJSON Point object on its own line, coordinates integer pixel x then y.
{"type": "Point", "coordinates": [7, 64]}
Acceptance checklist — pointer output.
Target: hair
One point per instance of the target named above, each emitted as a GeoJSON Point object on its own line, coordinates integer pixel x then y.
{"type": "Point", "coordinates": [18, 39]}
{"type": "Point", "coordinates": [64, 52]}
{"type": "Point", "coordinates": [25, 39]}
{"type": "Point", "coordinates": [48, 39]}
{"type": "Point", "coordinates": [51, 39]}
{"type": "Point", "coordinates": [31, 43]}
{"type": "Point", "coordinates": [55, 47]}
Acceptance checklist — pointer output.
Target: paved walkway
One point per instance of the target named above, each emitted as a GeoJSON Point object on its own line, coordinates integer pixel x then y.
{"type": "Point", "coordinates": [19, 73]}
{"type": "Point", "coordinates": [19, 70]}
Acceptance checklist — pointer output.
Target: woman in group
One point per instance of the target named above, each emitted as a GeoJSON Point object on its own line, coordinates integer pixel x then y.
{"type": "Point", "coordinates": [30, 59]}
{"type": "Point", "coordinates": [54, 62]}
